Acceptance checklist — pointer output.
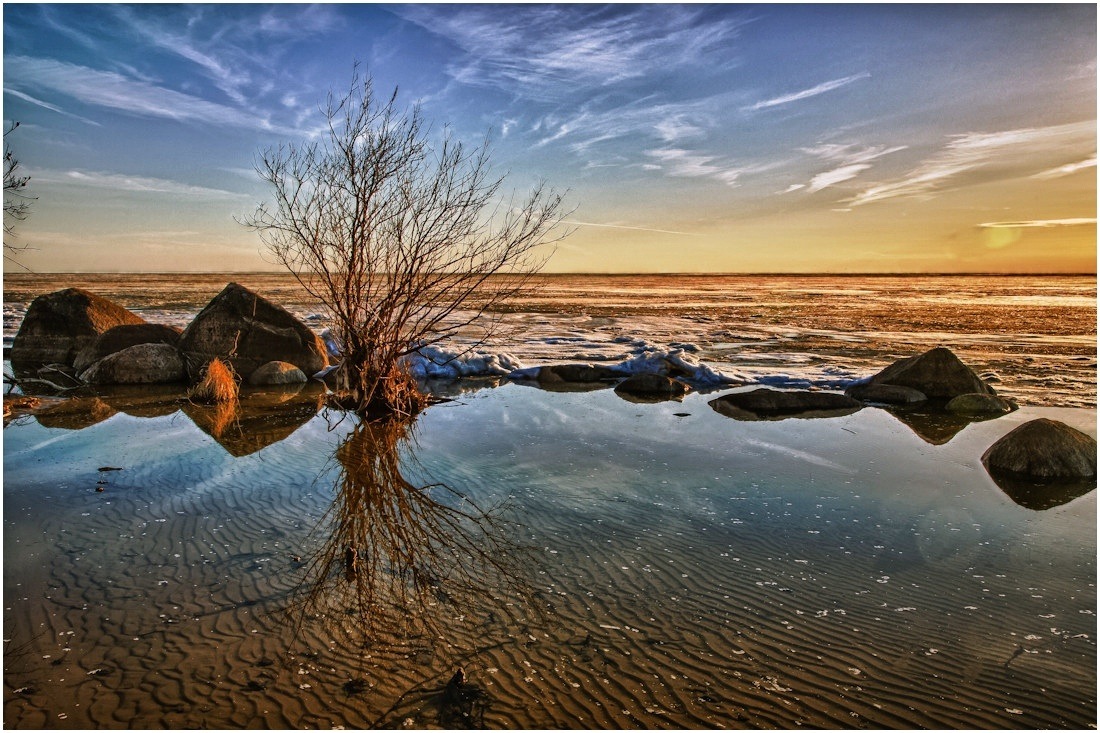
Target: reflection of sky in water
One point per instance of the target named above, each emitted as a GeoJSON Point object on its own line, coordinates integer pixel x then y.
{"type": "Point", "coordinates": [850, 542]}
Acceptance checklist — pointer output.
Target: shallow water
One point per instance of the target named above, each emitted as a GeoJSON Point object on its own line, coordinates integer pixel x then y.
{"type": "Point", "coordinates": [610, 564]}
{"type": "Point", "coordinates": [1033, 336]}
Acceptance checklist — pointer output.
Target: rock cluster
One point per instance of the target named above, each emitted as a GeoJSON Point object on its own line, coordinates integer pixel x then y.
{"type": "Point", "coordinates": [936, 374]}
{"type": "Point", "coordinates": [103, 343]}
{"type": "Point", "coordinates": [58, 326]}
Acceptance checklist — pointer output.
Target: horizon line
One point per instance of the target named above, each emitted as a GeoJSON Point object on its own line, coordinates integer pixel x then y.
{"type": "Point", "coordinates": [819, 273]}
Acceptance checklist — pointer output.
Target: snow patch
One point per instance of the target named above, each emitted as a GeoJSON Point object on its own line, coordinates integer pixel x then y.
{"type": "Point", "coordinates": [434, 362]}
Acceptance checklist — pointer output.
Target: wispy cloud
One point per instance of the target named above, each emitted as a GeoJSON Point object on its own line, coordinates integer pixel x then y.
{"type": "Point", "coordinates": [822, 88]}
{"type": "Point", "coordinates": [633, 228]}
{"type": "Point", "coordinates": [689, 164]}
{"type": "Point", "coordinates": [849, 161]}
{"type": "Point", "coordinates": [231, 79]}
{"type": "Point", "coordinates": [1069, 168]}
{"type": "Point", "coordinates": [546, 51]}
{"type": "Point", "coordinates": [47, 105]}
{"type": "Point", "coordinates": [130, 96]}
{"type": "Point", "coordinates": [132, 184]}
{"type": "Point", "coordinates": [837, 175]}
{"type": "Point", "coordinates": [601, 120]}
{"type": "Point", "coordinates": [1039, 223]}
{"type": "Point", "coordinates": [981, 156]}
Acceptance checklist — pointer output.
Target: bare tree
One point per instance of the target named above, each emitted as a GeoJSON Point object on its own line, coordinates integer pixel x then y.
{"type": "Point", "coordinates": [17, 202]}
{"type": "Point", "coordinates": [403, 241]}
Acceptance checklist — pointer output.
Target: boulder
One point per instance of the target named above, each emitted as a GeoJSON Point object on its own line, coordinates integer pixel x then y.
{"type": "Point", "coordinates": [277, 372]}
{"type": "Point", "coordinates": [771, 404]}
{"type": "Point", "coordinates": [937, 373]}
{"type": "Point", "coordinates": [59, 325]}
{"type": "Point", "coordinates": [138, 364]}
{"type": "Point", "coordinates": [1043, 449]}
{"type": "Point", "coordinates": [651, 388]}
{"type": "Point", "coordinates": [118, 338]}
{"type": "Point", "coordinates": [247, 330]}
{"type": "Point", "coordinates": [979, 404]}
{"type": "Point", "coordinates": [885, 394]}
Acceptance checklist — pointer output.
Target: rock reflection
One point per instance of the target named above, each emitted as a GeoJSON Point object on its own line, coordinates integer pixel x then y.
{"type": "Point", "coordinates": [932, 423]}
{"type": "Point", "coordinates": [400, 560]}
{"type": "Point", "coordinates": [259, 418]}
{"type": "Point", "coordinates": [1041, 495]}
{"type": "Point", "coordinates": [76, 413]}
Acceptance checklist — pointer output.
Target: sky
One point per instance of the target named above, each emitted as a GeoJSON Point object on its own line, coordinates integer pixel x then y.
{"type": "Point", "coordinates": [688, 138]}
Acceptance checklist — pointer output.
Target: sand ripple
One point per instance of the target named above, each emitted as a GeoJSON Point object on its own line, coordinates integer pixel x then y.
{"type": "Point", "coordinates": [166, 600]}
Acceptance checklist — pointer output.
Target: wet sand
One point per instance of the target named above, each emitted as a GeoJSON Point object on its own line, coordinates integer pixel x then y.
{"type": "Point", "coordinates": [648, 566]}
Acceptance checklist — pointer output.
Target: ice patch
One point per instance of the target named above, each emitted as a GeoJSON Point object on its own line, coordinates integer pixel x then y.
{"type": "Point", "coordinates": [434, 362]}
{"type": "Point", "coordinates": [654, 360]}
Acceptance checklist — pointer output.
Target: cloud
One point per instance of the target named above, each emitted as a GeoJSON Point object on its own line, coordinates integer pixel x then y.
{"type": "Point", "coordinates": [133, 184]}
{"type": "Point", "coordinates": [689, 164]}
{"type": "Point", "coordinates": [807, 93]}
{"type": "Point", "coordinates": [601, 120]}
{"type": "Point", "coordinates": [1039, 223]}
{"type": "Point", "coordinates": [850, 160]}
{"type": "Point", "coordinates": [979, 157]}
{"type": "Point", "coordinates": [130, 96]}
{"type": "Point", "coordinates": [47, 105]}
{"type": "Point", "coordinates": [1065, 170]}
{"type": "Point", "coordinates": [547, 51]}
{"type": "Point", "coordinates": [230, 79]}
{"type": "Point", "coordinates": [625, 226]}
{"type": "Point", "coordinates": [837, 175]}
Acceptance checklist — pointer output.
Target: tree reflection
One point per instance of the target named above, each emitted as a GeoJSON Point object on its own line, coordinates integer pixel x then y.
{"type": "Point", "coordinates": [399, 560]}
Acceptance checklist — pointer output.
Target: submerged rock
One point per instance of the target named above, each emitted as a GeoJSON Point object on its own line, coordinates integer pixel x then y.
{"type": "Point", "coordinates": [59, 325]}
{"type": "Point", "coordinates": [247, 330]}
{"type": "Point", "coordinates": [277, 372]}
{"type": "Point", "coordinates": [576, 373]}
{"type": "Point", "coordinates": [770, 404]}
{"type": "Point", "coordinates": [651, 388]}
{"type": "Point", "coordinates": [937, 373]}
{"type": "Point", "coordinates": [138, 364]}
{"type": "Point", "coordinates": [1043, 449]}
{"type": "Point", "coordinates": [979, 404]}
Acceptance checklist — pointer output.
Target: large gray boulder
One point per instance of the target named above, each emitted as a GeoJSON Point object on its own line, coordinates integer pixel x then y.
{"type": "Point", "coordinates": [1043, 449]}
{"type": "Point", "coordinates": [247, 331]}
{"type": "Point", "coordinates": [118, 338]}
{"type": "Point", "coordinates": [771, 404]}
{"type": "Point", "coordinates": [59, 325]}
{"type": "Point", "coordinates": [937, 373]}
{"type": "Point", "coordinates": [138, 364]}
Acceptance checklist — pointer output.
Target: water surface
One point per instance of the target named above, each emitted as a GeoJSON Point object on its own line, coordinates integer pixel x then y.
{"type": "Point", "coordinates": [609, 564]}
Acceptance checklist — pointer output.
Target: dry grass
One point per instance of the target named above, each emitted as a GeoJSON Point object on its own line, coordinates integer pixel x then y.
{"type": "Point", "coordinates": [218, 385]}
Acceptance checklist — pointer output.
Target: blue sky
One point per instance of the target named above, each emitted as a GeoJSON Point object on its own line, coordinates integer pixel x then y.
{"type": "Point", "coordinates": [739, 138]}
